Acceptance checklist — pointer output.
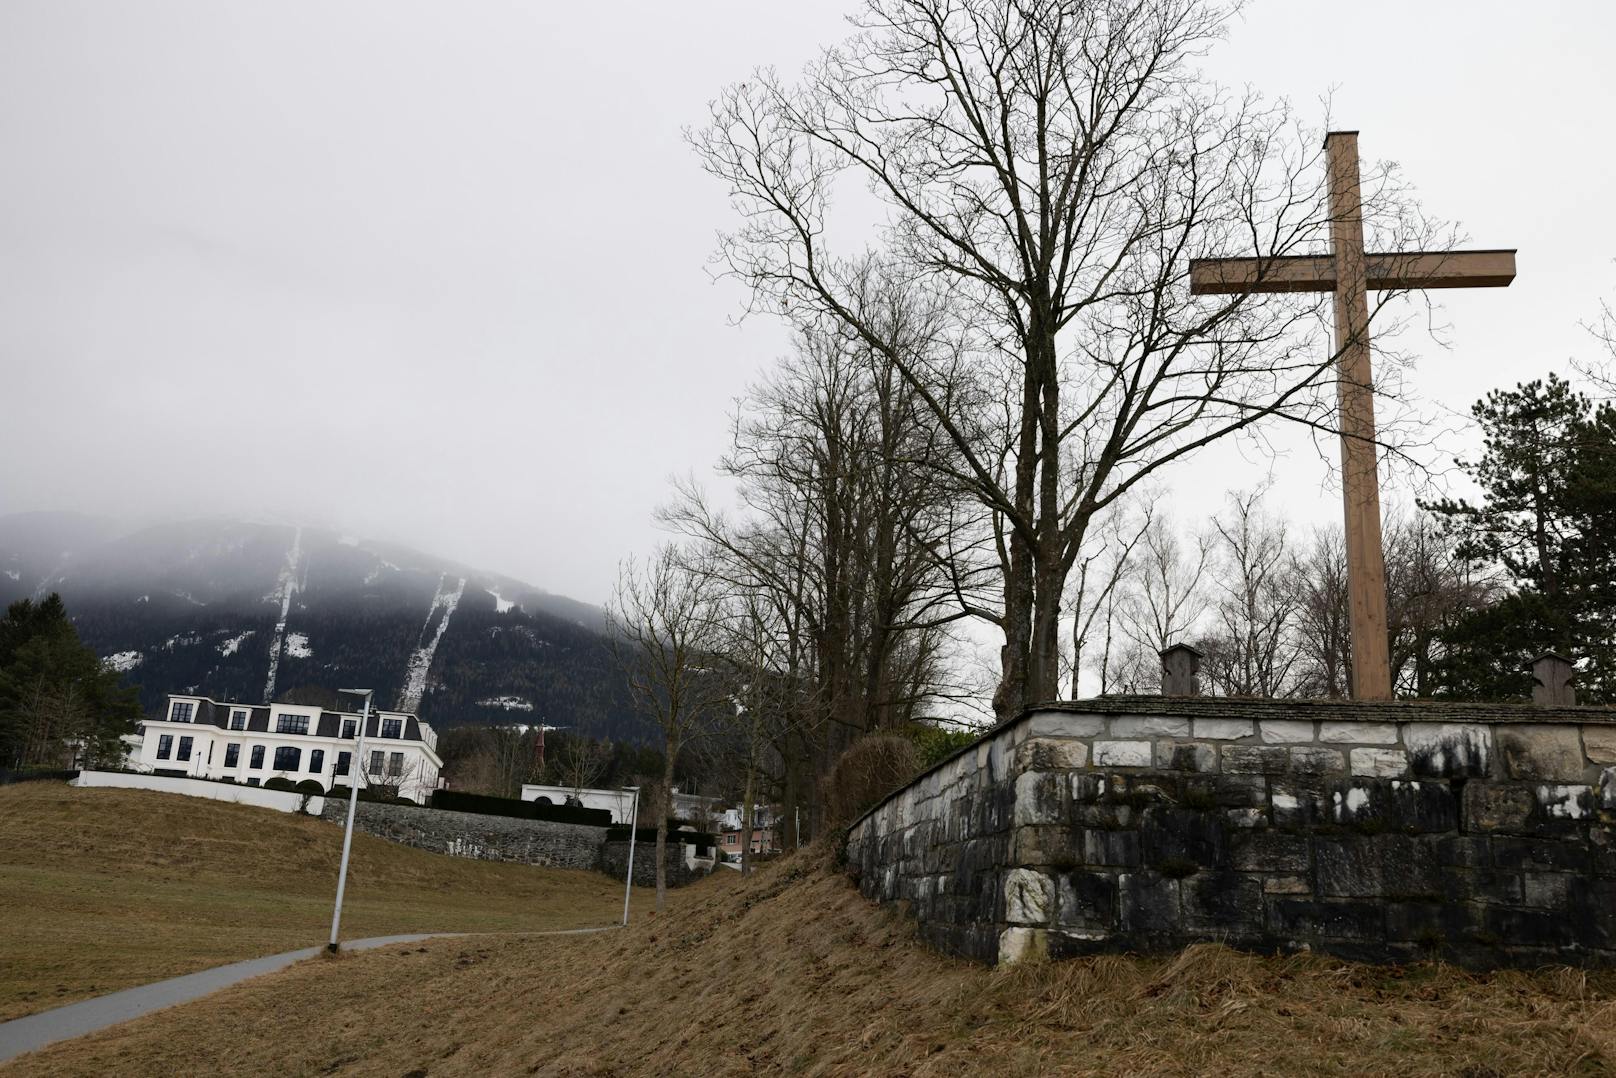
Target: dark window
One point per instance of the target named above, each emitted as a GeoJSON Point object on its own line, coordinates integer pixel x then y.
{"type": "Point", "coordinates": [232, 755]}
{"type": "Point", "coordinates": [292, 724]}
{"type": "Point", "coordinates": [344, 761]}
{"type": "Point", "coordinates": [287, 758]}
{"type": "Point", "coordinates": [376, 763]}
{"type": "Point", "coordinates": [395, 763]}
{"type": "Point", "coordinates": [238, 720]}
{"type": "Point", "coordinates": [350, 727]}
{"type": "Point", "coordinates": [316, 760]}
{"type": "Point", "coordinates": [185, 748]}
{"type": "Point", "coordinates": [252, 782]}
{"type": "Point", "coordinates": [393, 728]}
{"type": "Point", "coordinates": [257, 759]}
{"type": "Point", "coordinates": [181, 711]}
{"type": "Point", "coordinates": [165, 745]}
{"type": "Point", "coordinates": [210, 752]}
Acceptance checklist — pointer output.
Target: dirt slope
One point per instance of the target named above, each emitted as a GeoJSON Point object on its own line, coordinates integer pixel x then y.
{"type": "Point", "coordinates": [793, 972]}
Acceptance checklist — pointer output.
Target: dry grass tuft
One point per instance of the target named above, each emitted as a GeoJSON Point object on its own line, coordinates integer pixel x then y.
{"type": "Point", "coordinates": [104, 889]}
{"type": "Point", "coordinates": [793, 972]}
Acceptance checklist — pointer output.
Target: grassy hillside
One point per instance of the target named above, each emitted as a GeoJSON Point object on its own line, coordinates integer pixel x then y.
{"type": "Point", "coordinates": [792, 972]}
{"type": "Point", "coordinates": [103, 889]}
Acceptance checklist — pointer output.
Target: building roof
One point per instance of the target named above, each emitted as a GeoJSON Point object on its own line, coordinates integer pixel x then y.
{"type": "Point", "coordinates": [324, 724]}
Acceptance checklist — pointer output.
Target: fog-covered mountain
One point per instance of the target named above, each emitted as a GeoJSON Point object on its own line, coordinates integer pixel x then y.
{"type": "Point", "coordinates": [248, 611]}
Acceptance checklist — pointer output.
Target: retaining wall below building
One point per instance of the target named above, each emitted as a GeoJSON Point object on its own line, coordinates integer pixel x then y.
{"type": "Point", "coordinates": [240, 793]}
{"type": "Point", "coordinates": [1484, 835]}
{"type": "Point", "coordinates": [469, 834]}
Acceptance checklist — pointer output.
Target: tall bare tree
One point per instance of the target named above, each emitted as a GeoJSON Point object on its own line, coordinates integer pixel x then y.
{"type": "Point", "coordinates": [1045, 168]}
{"type": "Point", "coordinates": [1253, 647]}
{"type": "Point", "coordinates": [664, 618]}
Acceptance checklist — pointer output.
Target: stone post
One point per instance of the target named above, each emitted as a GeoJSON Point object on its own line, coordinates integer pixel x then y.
{"type": "Point", "coordinates": [1180, 664]}
{"type": "Point", "coordinates": [1551, 676]}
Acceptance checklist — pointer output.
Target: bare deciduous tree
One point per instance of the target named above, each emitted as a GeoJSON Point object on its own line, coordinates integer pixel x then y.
{"type": "Point", "coordinates": [1253, 647]}
{"type": "Point", "coordinates": [1046, 169]}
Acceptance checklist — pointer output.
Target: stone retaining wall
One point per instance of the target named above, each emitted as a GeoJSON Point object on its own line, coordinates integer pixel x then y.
{"type": "Point", "coordinates": [469, 834]}
{"type": "Point", "coordinates": [1485, 835]}
{"type": "Point", "coordinates": [614, 862]}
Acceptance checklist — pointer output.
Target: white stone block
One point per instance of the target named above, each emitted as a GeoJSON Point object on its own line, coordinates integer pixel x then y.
{"type": "Point", "coordinates": [1379, 763]}
{"type": "Point", "coordinates": [1022, 945]}
{"type": "Point", "coordinates": [1122, 754]}
{"type": "Point", "coordinates": [1285, 731]}
{"type": "Point", "coordinates": [1052, 754]}
{"type": "Point", "coordinates": [1029, 897]}
{"type": "Point", "coordinates": [1360, 733]}
{"type": "Point", "coordinates": [1038, 798]}
{"type": "Point", "coordinates": [1127, 726]}
{"type": "Point", "coordinates": [1064, 724]}
{"type": "Point", "coordinates": [1224, 729]}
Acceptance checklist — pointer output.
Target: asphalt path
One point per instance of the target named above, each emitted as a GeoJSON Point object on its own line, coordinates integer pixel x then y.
{"type": "Point", "coordinates": [76, 1019]}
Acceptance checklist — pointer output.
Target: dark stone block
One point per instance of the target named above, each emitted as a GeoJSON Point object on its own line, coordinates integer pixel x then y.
{"type": "Point", "coordinates": [1303, 919]}
{"type": "Point", "coordinates": [1385, 866]}
{"type": "Point", "coordinates": [1300, 801]}
{"type": "Point", "coordinates": [1226, 905]}
{"type": "Point", "coordinates": [1432, 924]}
{"type": "Point", "coordinates": [1522, 808]}
{"type": "Point", "coordinates": [1181, 836]}
{"type": "Point", "coordinates": [1374, 805]}
{"type": "Point", "coordinates": [1545, 855]}
{"type": "Point", "coordinates": [1269, 851]}
{"type": "Point", "coordinates": [1464, 851]}
{"type": "Point", "coordinates": [1086, 900]}
{"type": "Point", "coordinates": [1481, 885]}
{"type": "Point", "coordinates": [1227, 791]}
{"type": "Point", "coordinates": [1527, 928]}
{"type": "Point", "coordinates": [1118, 849]}
{"type": "Point", "coordinates": [1150, 910]}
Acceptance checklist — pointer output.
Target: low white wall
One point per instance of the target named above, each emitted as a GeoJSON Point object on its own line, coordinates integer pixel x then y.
{"type": "Point", "coordinates": [279, 800]}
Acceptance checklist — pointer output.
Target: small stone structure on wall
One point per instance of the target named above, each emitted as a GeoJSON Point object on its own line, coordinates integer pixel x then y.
{"type": "Point", "coordinates": [1481, 834]}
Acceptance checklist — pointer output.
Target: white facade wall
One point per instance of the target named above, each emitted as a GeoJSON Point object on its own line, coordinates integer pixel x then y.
{"type": "Point", "coordinates": [279, 800]}
{"type": "Point", "coordinates": [209, 752]}
{"type": "Point", "coordinates": [618, 802]}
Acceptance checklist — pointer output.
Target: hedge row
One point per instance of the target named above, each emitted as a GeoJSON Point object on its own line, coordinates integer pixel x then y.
{"type": "Point", "coordinates": [482, 804]}
{"type": "Point", "coordinates": [619, 833]}
{"type": "Point", "coordinates": [36, 774]}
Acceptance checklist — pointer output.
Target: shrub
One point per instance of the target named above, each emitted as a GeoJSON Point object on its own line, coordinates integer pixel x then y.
{"type": "Point", "coordinates": [871, 768]}
{"type": "Point", "coordinates": [280, 782]}
{"type": "Point", "coordinates": [618, 832]}
{"type": "Point", "coordinates": [457, 801]}
{"type": "Point", "coordinates": [937, 743]}
{"type": "Point", "coordinates": [311, 787]}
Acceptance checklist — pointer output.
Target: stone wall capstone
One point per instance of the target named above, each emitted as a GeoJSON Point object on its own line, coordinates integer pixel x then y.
{"type": "Point", "coordinates": [1481, 834]}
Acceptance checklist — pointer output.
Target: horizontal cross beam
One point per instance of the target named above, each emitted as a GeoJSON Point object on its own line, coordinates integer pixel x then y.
{"type": "Point", "coordinates": [1316, 273]}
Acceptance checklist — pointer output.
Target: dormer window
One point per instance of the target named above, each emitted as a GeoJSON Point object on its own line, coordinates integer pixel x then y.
{"type": "Point", "coordinates": [393, 728]}
{"type": "Point", "coordinates": [181, 711]}
{"type": "Point", "coordinates": [238, 719]}
{"type": "Point", "coordinates": [349, 728]}
{"type": "Point", "coordinates": [292, 724]}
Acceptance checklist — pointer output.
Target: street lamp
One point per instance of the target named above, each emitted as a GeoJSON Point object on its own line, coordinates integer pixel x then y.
{"type": "Point", "coordinates": [633, 831]}
{"type": "Point", "coordinates": [355, 770]}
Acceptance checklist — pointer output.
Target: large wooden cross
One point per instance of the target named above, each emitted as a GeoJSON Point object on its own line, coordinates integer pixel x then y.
{"type": "Point", "coordinates": [1350, 273]}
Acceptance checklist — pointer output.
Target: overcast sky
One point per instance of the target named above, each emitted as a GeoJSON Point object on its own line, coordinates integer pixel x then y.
{"type": "Point", "coordinates": [436, 272]}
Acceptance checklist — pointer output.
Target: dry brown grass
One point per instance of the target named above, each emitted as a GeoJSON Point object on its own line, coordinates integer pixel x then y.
{"type": "Point", "coordinates": [104, 889]}
{"type": "Point", "coordinates": [792, 972]}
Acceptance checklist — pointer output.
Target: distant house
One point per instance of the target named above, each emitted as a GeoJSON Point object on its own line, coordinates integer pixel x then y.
{"type": "Point", "coordinates": [250, 744]}
{"type": "Point", "coordinates": [618, 802]}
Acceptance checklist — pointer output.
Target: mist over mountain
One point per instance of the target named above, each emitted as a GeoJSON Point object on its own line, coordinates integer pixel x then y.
{"type": "Point", "coordinates": [249, 611]}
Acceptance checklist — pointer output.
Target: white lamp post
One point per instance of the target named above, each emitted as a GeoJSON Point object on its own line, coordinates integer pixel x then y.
{"type": "Point", "coordinates": [355, 771]}
{"type": "Point", "coordinates": [633, 830]}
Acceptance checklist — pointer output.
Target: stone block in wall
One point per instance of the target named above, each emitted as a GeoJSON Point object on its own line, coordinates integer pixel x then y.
{"type": "Point", "coordinates": [1223, 729]}
{"type": "Point", "coordinates": [1270, 851]}
{"type": "Point", "coordinates": [1518, 854]}
{"type": "Point", "coordinates": [1600, 743]}
{"type": "Point", "coordinates": [1313, 760]}
{"type": "Point", "coordinates": [1358, 733]}
{"type": "Point", "coordinates": [1029, 897]}
{"type": "Point", "coordinates": [1063, 724]}
{"type": "Point", "coordinates": [1137, 726]}
{"type": "Point", "coordinates": [1040, 798]}
{"type": "Point", "coordinates": [1148, 905]}
{"type": "Point", "coordinates": [1303, 919]}
{"type": "Point", "coordinates": [1122, 754]}
{"type": "Point", "coordinates": [1462, 885]}
{"type": "Point", "coordinates": [1085, 901]}
{"type": "Point", "coordinates": [1186, 756]}
{"type": "Point", "coordinates": [1056, 845]}
{"type": "Point", "coordinates": [1180, 840]}
{"type": "Point", "coordinates": [1374, 805]}
{"type": "Point", "coordinates": [1227, 791]}
{"type": "Point", "coordinates": [1607, 789]}
{"type": "Point", "coordinates": [1548, 890]}
{"type": "Point", "coordinates": [1256, 759]}
{"type": "Point", "coordinates": [1112, 849]}
{"type": "Point", "coordinates": [1300, 800]}
{"type": "Point", "coordinates": [1376, 866]}
{"type": "Point", "coordinates": [1522, 808]}
{"type": "Point", "coordinates": [1379, 763]}
{"type": "Point", "coordinates": [1224, 904]}
{"type": "Point", "coordinates": [1285, 731]}
{"type": "Point", "coordinates": [1022, 945]}
{"type": "Point", "coordinates": [1051, 754]}
{"type": "Point", "coordinates": [1545, 753]}
{"type": "Point", "coordinates": [1286, 885]}
{"type": "Point", "coordinates": [1448, 750]}
{"type": "Point", "coordinates": [1497, 806]}
{"type": "Point", "coordinates": [1464, 851]}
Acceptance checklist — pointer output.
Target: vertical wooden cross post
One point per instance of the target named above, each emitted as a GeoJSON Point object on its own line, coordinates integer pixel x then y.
{"type": "Point", "coordinates": [1350, 274]}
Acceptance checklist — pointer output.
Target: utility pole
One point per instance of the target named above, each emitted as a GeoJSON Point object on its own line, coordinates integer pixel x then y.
{"type": "Point", "coordinates": [356, 770]}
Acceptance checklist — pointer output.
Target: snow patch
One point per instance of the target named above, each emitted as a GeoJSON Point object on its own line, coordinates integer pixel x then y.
{"type": "Point", "coordinates": [122, 662]}
{"type": "Point", "coordinates": [286, 585]}
{"type": "Point", "coordinates": [506, 703]}
{"type": "Point", "coordinates": [233, 645]}
{"type": "Point", "coordinates": [502, 605]}
{"type": "Point", "coordinates": [297, 646]}
{"type": "Point", "coordinates": [13, 574]}
{"type": "Point", "coordinates": [421, 661]}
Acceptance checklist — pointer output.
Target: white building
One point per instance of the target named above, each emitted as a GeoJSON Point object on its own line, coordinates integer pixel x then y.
{"type": "Point", "coordinates": [202, 738]}
{"type": "Point", "coordinates": [618, 802]}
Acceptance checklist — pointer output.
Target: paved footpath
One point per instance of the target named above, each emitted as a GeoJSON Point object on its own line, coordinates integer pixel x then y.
{"type": "Point", "coordinates": [76, 1019]}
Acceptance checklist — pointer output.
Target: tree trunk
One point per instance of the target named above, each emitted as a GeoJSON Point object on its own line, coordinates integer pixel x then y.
{"type": "Point", "coordinates": [662, 826]}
